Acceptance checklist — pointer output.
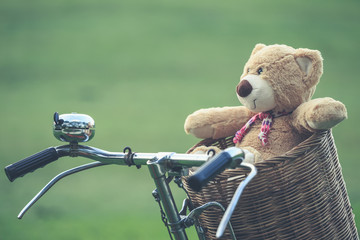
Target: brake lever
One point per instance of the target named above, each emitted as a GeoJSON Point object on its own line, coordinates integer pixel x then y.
{"type": "Point", "coordinates": [55, 180]}
{"type": "Point", "coordinates": [235, 199]}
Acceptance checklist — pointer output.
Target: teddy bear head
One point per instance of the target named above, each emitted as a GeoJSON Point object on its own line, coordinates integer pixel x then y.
{"type": "Point", "coordinates": [279, 78]}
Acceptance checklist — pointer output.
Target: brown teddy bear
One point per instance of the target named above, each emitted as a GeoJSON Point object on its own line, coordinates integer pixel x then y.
{"type": "Point", "coordinates": [275, 88]}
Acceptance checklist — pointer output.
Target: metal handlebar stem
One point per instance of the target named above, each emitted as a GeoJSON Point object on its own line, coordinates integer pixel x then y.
{"type": "Point", "coordinates": [158, 173]}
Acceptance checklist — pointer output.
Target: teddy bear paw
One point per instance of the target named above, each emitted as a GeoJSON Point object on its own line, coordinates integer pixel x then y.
{"type": "Point", "coordinates": [326, 113]}
{"type": "Point", "coordinates": [254, 157]}
{"type": "Point", "coordinates": [251, 155]}
{"type": "Point", "coordinates": [206, 150]}
{"type": "Point", "coordinates": [201, 132]}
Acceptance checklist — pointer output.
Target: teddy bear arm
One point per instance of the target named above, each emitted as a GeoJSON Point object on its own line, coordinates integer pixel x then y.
{"type": "Point", "coordinates": [216, 122]}
{"type": "Point", "coordinates": [319, 114]}
{"type": "Point", "coordinates": [226, 128]}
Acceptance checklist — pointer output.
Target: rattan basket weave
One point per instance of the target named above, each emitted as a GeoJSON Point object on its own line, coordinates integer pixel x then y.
{"type": "Point", "coordinates": [300, 195]}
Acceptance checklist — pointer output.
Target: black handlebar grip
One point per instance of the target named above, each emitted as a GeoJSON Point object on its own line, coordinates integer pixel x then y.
{"type": "Point", "coordinates": [209, 170]}
{"type": "Point", "coordinates": [31, 163]}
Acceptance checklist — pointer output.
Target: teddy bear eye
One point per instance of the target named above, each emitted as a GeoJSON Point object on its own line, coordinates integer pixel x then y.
{"type": "Point", "coordinates": [259, 71]}
{"type": "Point", "coordinates": [248, 70]}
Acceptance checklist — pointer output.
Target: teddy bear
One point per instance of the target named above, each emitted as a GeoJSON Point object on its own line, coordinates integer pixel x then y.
{"type": "Point", "coordinates": [275, 90]}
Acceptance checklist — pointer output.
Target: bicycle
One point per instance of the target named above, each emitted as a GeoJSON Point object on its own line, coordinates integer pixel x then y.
{"type": "Point", "coordinates": [164, 167]}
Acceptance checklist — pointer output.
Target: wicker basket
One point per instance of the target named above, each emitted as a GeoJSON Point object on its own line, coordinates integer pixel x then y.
{"type": "Point", "coordinates": [300, 195]}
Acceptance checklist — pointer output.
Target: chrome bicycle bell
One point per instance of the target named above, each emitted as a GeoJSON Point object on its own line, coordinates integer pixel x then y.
{"type": "Point", "coordinates": [73, 127]}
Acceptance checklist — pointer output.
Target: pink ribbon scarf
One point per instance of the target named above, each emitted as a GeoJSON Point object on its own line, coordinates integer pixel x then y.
{"type": "Point", "coordinates": [267, 120]}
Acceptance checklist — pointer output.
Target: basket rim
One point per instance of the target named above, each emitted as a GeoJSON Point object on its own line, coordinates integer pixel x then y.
{"type": "Point", "coordinates": [302, 148]}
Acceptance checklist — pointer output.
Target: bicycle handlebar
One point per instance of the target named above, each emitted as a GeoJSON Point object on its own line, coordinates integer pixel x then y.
{"type": "Point", "coordinates": [206, 172]}
{"type": "Point", "coordinates": [40, 159]}
{"type": "Point", "coordinates": [31, 163]}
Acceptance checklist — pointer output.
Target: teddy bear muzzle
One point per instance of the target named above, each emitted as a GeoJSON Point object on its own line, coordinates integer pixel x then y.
{"type": "Point", "coordinates": [244, 88]}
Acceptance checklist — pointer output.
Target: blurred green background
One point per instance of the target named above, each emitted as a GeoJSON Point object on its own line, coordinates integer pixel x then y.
{"type": "Point", "coordinates": [139, 68]}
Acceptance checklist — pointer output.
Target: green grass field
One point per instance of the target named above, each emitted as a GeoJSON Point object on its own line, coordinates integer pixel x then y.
{"type": "Point", "coordinates": [139, 68]}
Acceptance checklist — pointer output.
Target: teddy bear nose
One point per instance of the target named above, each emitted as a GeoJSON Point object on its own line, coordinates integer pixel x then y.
{"type": "Point", "coordinates": [244, 88]}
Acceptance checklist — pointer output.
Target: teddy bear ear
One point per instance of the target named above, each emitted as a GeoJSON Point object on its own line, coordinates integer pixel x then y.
{"type": "Point", "coordinates": [310, 63]}
{"type": "Point", "coordinates": [257, 48]}
{"type": "Point", "coordinates": [305, 64]}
